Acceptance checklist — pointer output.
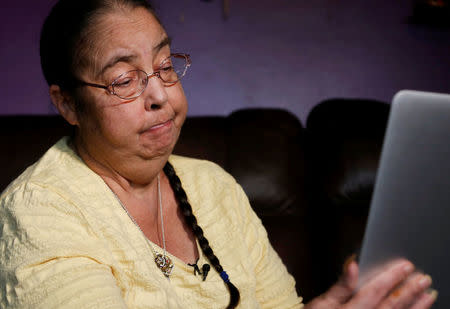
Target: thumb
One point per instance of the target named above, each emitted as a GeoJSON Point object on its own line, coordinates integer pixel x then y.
{"type": "Point", "coordinates": [343, 290]}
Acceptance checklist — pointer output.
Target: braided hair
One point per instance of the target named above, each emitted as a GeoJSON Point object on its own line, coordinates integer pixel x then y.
{"type": "Point", "coordinates": [186, 209]}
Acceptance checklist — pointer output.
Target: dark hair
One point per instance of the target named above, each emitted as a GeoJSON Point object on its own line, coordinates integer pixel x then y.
{"type": "Point", "coordinates": [63, 38]}
{"type": "Point", "coordinates": [186, 209]}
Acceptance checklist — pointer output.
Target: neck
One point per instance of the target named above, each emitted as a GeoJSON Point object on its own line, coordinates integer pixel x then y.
{"type": "Point", "coordinates": [121, 172]}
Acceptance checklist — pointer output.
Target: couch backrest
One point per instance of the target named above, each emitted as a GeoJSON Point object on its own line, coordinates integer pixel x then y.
{"type": "Point", "coordinates": [24, 139]}
{"type": "Point", "coordinates": [260, 147]}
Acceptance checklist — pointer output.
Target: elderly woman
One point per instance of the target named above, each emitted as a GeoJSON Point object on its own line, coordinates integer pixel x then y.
{"type": "Point", "coordinates": [109, 218]}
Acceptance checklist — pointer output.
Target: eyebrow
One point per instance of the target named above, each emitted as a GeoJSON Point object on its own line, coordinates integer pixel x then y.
{"type": "Point", "coordinates": [116, 59]}
{"type": "Point", "coordinates": [164, 42]}
{"type": "Point", "coordinates": [128, 58]}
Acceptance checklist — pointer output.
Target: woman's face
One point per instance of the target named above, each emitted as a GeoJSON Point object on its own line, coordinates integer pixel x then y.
{"type": "Point", "coordinates": [145, 127]}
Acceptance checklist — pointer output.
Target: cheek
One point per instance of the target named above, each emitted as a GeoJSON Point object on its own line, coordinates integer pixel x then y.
{"type": "Point", "coordinates": [124, 120]}
{"type": "Point", "coordinates": [178, 101]}
{"type": "Point", "coordinates": [114, 124]}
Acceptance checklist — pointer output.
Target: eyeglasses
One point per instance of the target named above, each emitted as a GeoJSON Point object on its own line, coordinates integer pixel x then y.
{"type": "Point", "coordinates": [131, 84]}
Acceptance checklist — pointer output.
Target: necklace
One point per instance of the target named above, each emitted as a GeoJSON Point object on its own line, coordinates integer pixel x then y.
{"type": "Point", "coordinates": [163, 262]}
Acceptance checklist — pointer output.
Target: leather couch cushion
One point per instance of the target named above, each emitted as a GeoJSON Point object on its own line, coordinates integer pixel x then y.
{"type": "Point", "coordinates": [346, 138]}
{"type": "Point", "coordinates": [266, 155]}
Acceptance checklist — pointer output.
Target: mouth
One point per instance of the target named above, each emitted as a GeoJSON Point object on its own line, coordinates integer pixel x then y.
{"type": "Point", "coordinates": [160, 126]}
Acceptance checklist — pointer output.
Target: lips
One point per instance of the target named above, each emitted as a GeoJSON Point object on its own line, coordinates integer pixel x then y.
{"type": "Point", "coordinates": [159, 126]}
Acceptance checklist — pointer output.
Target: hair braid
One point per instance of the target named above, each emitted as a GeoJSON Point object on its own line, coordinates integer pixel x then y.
{"type": "Point", "coordinates": [191, 220]}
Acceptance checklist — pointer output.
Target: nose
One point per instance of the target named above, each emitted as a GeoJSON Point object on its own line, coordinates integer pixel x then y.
{"type": "Point", "coordinates": [155, 94]}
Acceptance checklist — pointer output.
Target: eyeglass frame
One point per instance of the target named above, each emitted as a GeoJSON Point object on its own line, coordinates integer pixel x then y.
{"type": "Point", "coordinates": [110, 87]}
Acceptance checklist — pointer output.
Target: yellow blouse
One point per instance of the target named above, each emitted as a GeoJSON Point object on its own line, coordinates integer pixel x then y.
{"type": "Point", "coordinates": [66, 242]}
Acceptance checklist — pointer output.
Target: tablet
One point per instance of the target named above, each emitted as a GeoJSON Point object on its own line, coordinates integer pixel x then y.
{"type": "Point", "coordinates": [410, 211]}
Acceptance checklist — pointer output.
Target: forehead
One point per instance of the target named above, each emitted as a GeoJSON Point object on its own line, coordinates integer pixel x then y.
{"type": "Point", "coordinates": [133, 32]}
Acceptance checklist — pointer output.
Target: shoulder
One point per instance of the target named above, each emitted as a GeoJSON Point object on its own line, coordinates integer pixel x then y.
{"type": "Point", "coordinates": [50, 184]}
{"type": "Point", "coordinates": [40, 209]}
{"type": "Point", "coordinates": [204, 172]}
{"type": "Point", "coordinates": [212, 192]}
{"type": "Point", "coordinates": [41, 188]}
{"type": "Point", "coordinates": [56, 165]}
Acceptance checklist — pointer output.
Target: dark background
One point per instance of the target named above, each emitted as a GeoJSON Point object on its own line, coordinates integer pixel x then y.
{"type": "Point", "coordinates": [285, 53]}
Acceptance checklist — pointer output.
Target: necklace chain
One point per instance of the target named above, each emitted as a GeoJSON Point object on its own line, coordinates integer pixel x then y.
{"type": "Point", "coordinates": [162, 260]}
{"type": "Point", "coordinates": [161, 214]}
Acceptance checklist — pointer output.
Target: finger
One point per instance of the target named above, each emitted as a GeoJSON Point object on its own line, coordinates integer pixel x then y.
{"type": "Point", "coordinates": [373, 292]}
{"type": "Point", "coordinates": [426, 300]}
{"type": "Point", "coordinates": [347, 262]}
{"type": "Point", "coordinates": [408, 292]}
{"type": "Point", "coordinates": [340, 292]}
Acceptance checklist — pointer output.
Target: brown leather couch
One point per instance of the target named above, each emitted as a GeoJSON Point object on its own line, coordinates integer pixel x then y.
{"type": "Point", "coordinates": [311, 186]}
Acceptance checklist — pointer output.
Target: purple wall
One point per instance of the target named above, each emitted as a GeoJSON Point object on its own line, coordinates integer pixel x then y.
{"type": "Point", "coordinates": [285, 53]}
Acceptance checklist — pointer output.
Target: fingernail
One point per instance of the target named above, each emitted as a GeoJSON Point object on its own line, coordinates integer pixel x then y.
{"type": "Point", "coordinates": [396, 293]}
{"type": "Point", "coordinates": [408, 267]}
{"type": "Point", "coordinates": [433, 293]}
{"type": "Point", "coordinates": [425, 281]}
{"type": "Point", "coordinates": [347, 262]}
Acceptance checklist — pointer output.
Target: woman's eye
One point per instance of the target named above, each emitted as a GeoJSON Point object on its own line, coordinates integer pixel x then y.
{"type": "Point", "coordinates": [166, 68]}
{"type": "Point", "coordinates": [123, 82]}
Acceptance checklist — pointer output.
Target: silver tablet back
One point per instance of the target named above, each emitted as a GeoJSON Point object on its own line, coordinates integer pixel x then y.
{"type": "Point", "coordinates": [410, 210]}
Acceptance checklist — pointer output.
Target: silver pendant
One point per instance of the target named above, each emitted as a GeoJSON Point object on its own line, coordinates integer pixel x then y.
{"type": "Point", "coordinates": [164, 263]}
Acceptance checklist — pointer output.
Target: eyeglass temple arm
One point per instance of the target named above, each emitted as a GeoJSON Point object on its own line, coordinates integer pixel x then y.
{"type": "Point", "coordinates": [94, 85]}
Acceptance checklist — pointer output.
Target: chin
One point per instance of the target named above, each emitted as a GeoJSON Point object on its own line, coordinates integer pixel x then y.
{"type": "Point", "coordinates": [162, 147]}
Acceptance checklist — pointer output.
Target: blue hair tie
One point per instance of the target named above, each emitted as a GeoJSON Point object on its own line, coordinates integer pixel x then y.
{"type": "Point", "coordinates": [224, 276]}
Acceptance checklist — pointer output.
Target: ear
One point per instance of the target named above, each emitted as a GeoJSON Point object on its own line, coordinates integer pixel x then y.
{"type": "Point", "coordinates": [64, 104]}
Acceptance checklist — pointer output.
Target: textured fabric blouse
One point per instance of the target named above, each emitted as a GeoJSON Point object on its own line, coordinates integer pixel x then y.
{"type": "Point", "coordinates": [66, 242]}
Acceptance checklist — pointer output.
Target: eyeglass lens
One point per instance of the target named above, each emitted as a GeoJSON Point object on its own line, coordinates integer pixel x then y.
{"type": "Point", "coordinates": [132, 84]}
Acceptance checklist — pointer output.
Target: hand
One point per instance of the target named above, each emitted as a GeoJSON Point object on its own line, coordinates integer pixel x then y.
{"type": "Point", "coordinates": [398, 286]}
